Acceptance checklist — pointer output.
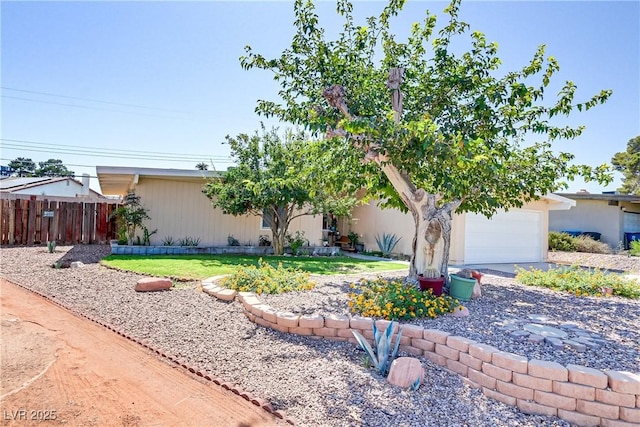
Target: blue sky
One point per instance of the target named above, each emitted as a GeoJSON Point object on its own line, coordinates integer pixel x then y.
{"type": "Point", "coordinates": [159, 84]}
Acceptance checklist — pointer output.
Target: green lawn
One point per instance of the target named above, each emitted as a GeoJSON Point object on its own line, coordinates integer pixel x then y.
{"type": "Point", "coordinates": [202, 266]}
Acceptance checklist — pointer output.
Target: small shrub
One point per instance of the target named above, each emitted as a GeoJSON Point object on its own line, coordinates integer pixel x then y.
{"type": "Point", "coordinates": [232, 241]}
{"type": "Point", "coordinates": [387, 242]}
{"type": "Point", "coordinates": [264, 240]}
{"type": "Point", "coordinates": [266, 279]}
{"type": "Point", "coordinates": [51, 246]}
{"type": "Point", "coordinates": [579, 281]}
{"type": "Point", "coordinates": [561, 242]}
{"type": "Point", "coordinates": [584, 243]}
{"type": "Point", "coordinates": [396, 300]}
{"type": "Point", "coordinates": [147, 235]}
{"type": "Point", "coordinates": [168, 241]}
{"type": "Point", "coordinates": [635, 248]}
{"type": "Point", "coordinates": [189, 241]}
{"type": "Point", "coordinates": [297, 241]}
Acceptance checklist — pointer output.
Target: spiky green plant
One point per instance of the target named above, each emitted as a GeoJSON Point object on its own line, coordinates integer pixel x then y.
{"type": "Point", "coordinates": [168, 241]}
{"type": "Point", "coordinates": [381, 357]}
{"type": "Point", "coordinates": [387, 242]}
{"type": "Point", "coordinates": [416, 384]}
{"type": "Point", "coordinates": [51, 246]}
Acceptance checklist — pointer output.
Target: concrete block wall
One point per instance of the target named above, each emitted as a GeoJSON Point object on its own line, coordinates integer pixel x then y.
{"type": "Point", "coordinates": [117, 249]}
{"type": "Point", "coordinates": [580, 395]}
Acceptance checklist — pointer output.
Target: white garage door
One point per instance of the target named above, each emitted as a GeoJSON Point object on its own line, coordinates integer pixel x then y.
{"type": "Point", "coordinates": [514, 236]}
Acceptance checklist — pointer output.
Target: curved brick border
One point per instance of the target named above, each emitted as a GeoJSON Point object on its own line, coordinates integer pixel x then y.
{"type": "Point", "coordinates": [262, 403]}
{"type": "Point", "coordinates": [577, 394]}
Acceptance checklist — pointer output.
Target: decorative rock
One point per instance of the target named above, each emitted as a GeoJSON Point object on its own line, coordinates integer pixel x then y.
{"type": "Point", "coordinates": [556, 343]}
{"type": "Point", "coordinates": [587, 342]}
{"type": "Point", "coordinates": [519, 335]}
{"type": "Point", "coordinates": [405, 371]}
{"type": "Point", "coordinates": [477, 291]}
{"type": "Point", "coordinates": [150, 284]}
{"type": "Point", "coordinates": [545, 331]}
{"type": "Point", "coordinates": [460, 312]}
{"type": "Point", "coordinates": [569, 326]}
{"type": "Point", "coordinates": [76, 264]}
{"type": "Point", "coordinates": [581, 348]}
{"type": "Point", "coordinates": [538, 318]}
{"type": "Point", "coordinates": [536, 339]}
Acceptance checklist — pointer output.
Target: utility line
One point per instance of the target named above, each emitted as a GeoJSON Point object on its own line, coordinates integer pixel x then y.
{"type": "Point", "coordinates": [69, 164]}
{"type": "Point", "coordinates": [89, 108]}
{"type": "Point", "coordinates": [119, 152]}
{"type": "Point", "coordinates": [115, 156]}
{"type": "Point", "coordinates": [90, 100]}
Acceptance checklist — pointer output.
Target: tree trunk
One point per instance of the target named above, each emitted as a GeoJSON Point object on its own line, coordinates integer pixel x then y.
{"type": "Point", "coordinates": [278, 237]}
{"type": "Point", "coordinates": [432, 236]}
{"type": "Point", "coordinates": [278, 244]}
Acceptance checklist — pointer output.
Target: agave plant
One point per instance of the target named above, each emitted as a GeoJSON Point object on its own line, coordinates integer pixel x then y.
{"type": "Point", "coordinates": [387, 242]}
{"type": "Point", "coordinates": [380, 354]}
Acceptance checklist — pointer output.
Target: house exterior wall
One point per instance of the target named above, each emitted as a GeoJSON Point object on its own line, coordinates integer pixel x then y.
{"type": "Point", "coordinates": [591, 215]}
{"type": "Point", "coordinates": [369, 220]}
{"type": "Point", "coordinates": [66, 188]}
{"type": "Point", "coordinates": [179, 209]}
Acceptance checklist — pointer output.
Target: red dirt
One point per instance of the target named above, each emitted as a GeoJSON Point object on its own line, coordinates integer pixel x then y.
{"type": "Point", "coordinates": [60, 369]}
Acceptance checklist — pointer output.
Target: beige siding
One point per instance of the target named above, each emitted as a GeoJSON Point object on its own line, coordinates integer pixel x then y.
{"type": "Point", "coordinates": [369, 220]}
{"type": "Point", "coordinates": [178, 208]}
{"type": "Point", "coordinates": [590, 215]}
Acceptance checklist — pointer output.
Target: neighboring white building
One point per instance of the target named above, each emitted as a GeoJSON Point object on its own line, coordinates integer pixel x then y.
{"type": "Point", "coordinates": [48, 186]}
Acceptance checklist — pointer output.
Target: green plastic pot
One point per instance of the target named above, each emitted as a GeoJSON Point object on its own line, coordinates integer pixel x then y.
{"type": "Point", "coordinates": [461, 288]}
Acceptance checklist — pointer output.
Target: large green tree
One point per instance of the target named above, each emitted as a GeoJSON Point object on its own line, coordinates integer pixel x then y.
{"type": "Point", "coordinates": [285, 177]}
{"type": "Point", "coordinates": [446, 130]}
{"type": "Point", "coordinates": [628, 163]}
{"type": "Point", "coordinates": [22, 166]}
{"type": "Point", "coordinates": [52, 167]}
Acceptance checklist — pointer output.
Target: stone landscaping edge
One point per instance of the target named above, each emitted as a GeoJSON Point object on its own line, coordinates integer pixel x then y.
{"type": "Point", "coordinates": [259, 402]}
{"type": "Point", "coordinates": [577, 394]}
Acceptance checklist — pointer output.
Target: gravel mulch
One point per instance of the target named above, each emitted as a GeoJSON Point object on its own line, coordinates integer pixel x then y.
{"type": "Point", "coordinates": [320, 382]}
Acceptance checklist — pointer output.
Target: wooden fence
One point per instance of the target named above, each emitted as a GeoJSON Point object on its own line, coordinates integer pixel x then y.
{"type": "Point", "coordinates": [32, 221]}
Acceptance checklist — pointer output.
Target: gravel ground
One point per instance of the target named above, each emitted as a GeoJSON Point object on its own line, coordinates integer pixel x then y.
{"type": "Point", "coordinates": [320, 382]}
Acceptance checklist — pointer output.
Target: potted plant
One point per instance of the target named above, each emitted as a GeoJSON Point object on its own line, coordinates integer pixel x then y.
{"type": "Point", "coordinates": [431, 279]}
{"type": "Point", "coordinates": [353, 239]}
{"type": "Point", "coordinates": [461, 285]}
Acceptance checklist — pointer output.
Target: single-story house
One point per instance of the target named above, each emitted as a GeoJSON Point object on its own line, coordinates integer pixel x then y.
{"type": "Point", "coordinates": [614, 216]}
{"type": "Point", "coordinates": [60, 186]}
{"type": "Point", "coordinates": [179, 209]}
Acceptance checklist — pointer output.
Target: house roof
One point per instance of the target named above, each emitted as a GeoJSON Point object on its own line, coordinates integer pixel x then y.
{"type": "Point", "coordinates": [118, 180]}
{"type": "Point", "coordinates": [558, 202]}
{"type": "Point", "coordinates": [601, 196]}
{"type": "Point", "coordinates": [13, 184]}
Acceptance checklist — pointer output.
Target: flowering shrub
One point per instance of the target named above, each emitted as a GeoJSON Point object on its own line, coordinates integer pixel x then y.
{"type": "Point", "coordinates": [266, 279]}
{"type": "Point", "coordinates": [394, 300]}
{"type": "Point", "coordinates": [579, 281]}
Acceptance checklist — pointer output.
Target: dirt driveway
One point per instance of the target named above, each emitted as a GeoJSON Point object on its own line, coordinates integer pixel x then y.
{"type": "Point", "coordinates": [60, 369]}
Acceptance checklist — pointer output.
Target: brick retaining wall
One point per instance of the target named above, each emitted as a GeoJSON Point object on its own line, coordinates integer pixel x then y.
{"type": "Point", "coordinates": [577, 394]}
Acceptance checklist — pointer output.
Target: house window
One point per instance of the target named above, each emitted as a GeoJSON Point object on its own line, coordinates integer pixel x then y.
{"type": "Point", "coordinates": [267, 216]}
